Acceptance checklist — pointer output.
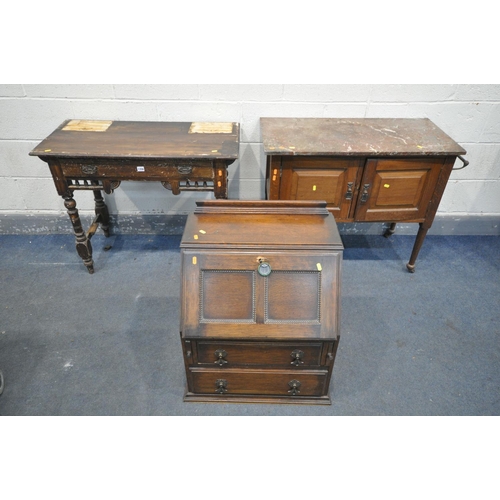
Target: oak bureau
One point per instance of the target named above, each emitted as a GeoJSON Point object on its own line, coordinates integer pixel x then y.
{"type": "Point", "coordinates": [367, 169]}
{"type": "Point", "coordinates": [97, 155]}
{"type": "Point", "coordinates": [260, 301]}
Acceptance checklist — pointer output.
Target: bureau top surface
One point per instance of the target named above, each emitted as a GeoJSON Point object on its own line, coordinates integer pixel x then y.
{"type": "Point", "coordinates": [257, 224]}
{"type": "Point", "coordinates": [356, 137]}
{"type": "Point", "coordinates": [131, 139]}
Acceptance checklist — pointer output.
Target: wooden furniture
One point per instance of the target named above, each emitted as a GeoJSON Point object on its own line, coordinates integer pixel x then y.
{"type": "Point", "coordinates": [97, 155]}
{"type": "Point", "coordinates": [368, 170]}
{"type": "Point", "coordinates": [260, 300]}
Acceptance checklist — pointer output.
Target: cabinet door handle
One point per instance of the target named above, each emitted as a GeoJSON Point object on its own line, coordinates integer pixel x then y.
{"type": "Point", "coordinates": [364, 194]}
{"type": "Point", "coordinates": [294, 387]}
{"type": "Point", "coordinates": [348, 195]}
{"type": "Point", "coordinates": [220, 386]}
{"type": "Point", "coordinates": [297, 356]}
{"type": "Point", "coordinates": [220, 354]}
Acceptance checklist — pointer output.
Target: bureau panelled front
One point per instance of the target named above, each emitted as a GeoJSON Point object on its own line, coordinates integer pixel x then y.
{"type": "Point", "coordinates": [260, 301]}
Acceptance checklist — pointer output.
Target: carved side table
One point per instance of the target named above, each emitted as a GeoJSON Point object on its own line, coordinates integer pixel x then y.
{"type": "Point", "coordinates": [97, 155]}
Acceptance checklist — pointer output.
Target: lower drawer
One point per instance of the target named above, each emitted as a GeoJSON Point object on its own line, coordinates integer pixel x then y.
{"type": "Point", "coordinates": [259, 382]}
{"type": "Point", "coordinates": [230, 353]}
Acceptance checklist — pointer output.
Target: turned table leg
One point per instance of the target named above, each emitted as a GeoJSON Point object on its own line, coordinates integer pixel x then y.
{"type": "Point", "coordinates": [101, 211]}
{"type": "Point", "coordinates": [83, 246]}
{"type": "Point", "coordinates": [416, 247]}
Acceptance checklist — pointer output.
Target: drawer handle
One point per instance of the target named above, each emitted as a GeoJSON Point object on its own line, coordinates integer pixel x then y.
{"type": "Point", "coordinates": [184, 169]}
{"type": "Point", "coordinates": [220, 354]}
{"type": "Point", "coordinates": [364, 194]}
{"type": "Point", "coordinates": [220, 386]}
{"type": "Point", "coordinates": [89, 169]}
{"type": "Point", "coordinates": [348, 195]}
{"type": "Point", "coordinates": [294, 387]}
{"type": "Point", "coordinates": [297, 356]}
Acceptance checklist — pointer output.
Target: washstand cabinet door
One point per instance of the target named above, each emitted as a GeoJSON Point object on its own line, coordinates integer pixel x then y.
{"type": "Point", "coordinates": [397, 189]}
{"type": "Point", "coordinates": [330, 179]}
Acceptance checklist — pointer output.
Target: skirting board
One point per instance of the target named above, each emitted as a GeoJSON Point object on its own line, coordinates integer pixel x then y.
{"type": "Point", "coordinates": [174, 224]}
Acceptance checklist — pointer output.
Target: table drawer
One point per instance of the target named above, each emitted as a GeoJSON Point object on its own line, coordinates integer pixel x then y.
{"type": "Point", "coordinates": [138, 170]}
{"type": "Point", "coordinates": [259, 382]}
{"type": "Point", "coordinates": [227, 354]}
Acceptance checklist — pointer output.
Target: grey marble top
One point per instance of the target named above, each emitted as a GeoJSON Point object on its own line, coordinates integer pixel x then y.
{"type": "Point", "coordinates": [356, 137]}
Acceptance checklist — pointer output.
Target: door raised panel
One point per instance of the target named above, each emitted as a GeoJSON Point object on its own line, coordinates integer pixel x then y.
{"type": "Point", "coordinates": [397, 189]}
{"type": "Point", "coordinates": [327, 179]}
{"type": "Point", "coordinates": [318, 185]}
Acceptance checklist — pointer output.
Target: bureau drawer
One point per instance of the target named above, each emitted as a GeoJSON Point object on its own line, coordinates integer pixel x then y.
{"type": "Point", "coordinates": [290, 383]}
{"type": "Point", "coordinates": [140, 169]}
{"type": "Point", "coordinates": [227, 354]}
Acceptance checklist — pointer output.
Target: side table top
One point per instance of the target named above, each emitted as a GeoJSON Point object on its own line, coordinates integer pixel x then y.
{"type": "Point", "coordinates": [356, 137]}
{"type": "Point", "coordinates": [133, 139]}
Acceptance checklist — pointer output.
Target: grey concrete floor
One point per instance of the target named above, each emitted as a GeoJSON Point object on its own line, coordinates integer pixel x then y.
{"type": "Point", "coordinates": [108, 344]}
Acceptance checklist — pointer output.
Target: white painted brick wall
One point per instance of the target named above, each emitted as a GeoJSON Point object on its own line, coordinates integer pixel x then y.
{"type": "Point", "coordinates": [470, 114]}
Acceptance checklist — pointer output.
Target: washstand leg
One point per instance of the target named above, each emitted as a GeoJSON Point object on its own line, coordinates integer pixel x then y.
{"type": "Point", "coordinates": [390, 230]}
{"type": "Point", "coordinates": [416, 247]}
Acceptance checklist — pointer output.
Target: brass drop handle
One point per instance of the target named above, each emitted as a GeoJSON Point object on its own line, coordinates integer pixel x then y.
{"type": "Point", "coordinates": [297, 356]}
{"type": "Point", "coordinates": [220, 386]}
{"type": "Point", "coordinates": [220, 354]}
{"type": "Point", "coordinates": [294, 387]}
{"type": "Point", "coordinates": [348, 195]}
{"type": "Point", "coordinates": [364, 194]}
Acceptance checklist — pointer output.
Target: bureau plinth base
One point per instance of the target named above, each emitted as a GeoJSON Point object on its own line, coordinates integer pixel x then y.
{"type": "Point", "coordinates": [189, 397]}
